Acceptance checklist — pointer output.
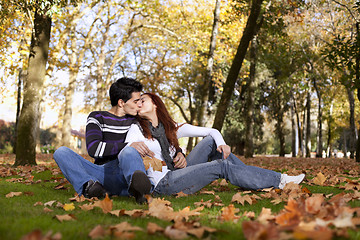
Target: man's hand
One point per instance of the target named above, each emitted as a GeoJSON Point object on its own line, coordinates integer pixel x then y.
{"type": "Point", "coordinates": [142, 149]}
{"type": "Point", "coordinates": [225, 150]}
{"type": "Point", "coordinates": [180, 160]}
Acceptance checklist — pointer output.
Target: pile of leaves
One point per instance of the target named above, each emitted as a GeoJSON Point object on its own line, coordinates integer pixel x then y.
{"type": "Point", "coordinates": [303, 212]}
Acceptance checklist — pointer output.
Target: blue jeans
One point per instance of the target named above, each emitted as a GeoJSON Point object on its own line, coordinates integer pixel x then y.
{"type": "Point", "coordinates": [115, 175]}
{"type": "Point", "coordinates": [199, 172]}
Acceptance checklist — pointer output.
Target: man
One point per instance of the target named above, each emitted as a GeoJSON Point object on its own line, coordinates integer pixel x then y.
{"type": "Point", "coordinates": [113, 173]}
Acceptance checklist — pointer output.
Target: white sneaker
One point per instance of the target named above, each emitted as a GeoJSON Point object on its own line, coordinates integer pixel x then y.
{"type": "Point", "coordinates": [286, 179]}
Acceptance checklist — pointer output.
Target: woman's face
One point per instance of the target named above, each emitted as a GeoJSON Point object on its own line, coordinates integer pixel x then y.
{"type": "Point", "coordinates": [147, 107]}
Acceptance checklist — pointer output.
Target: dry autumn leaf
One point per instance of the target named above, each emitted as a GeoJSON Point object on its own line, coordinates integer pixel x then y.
{"type": "Point", "coordinates": [69, 206]}
{"type": "Point", "coordinates": [174, 233]}
{"type": "Point", "coordinates": [319, 179]}
{"type": "Point", "coordinates": [13, 194]}
{"type": "Point", "coordinates": [228, 213]}
{"type": "Point", "coordinates": [106, 204]}
{"type": "Point", "coordinates": [152, 228]}
{"type": "Point", "coordinates": [66, 217]}
{"type": "Point", "coordinates": [241, 199]}
{"type": "Point", "coordinates": [155, 163]}
{"type": "Point", "coordinates": [97, 232]}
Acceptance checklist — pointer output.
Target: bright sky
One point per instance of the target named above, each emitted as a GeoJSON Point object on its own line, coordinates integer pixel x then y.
{"type": "Point", "coordinates": [51, 115]}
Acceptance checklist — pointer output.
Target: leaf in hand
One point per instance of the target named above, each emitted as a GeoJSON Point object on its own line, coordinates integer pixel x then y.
{"type": "Point", "coordinates": [155, 163]}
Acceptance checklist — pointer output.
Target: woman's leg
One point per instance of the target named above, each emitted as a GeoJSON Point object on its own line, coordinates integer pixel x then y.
{"type": "Point", "coordinates": [191, 179]}
{"type": "Point", "coordinates": [205, 150]}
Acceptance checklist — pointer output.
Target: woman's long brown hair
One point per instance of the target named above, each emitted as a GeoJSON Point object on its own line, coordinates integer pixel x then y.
{"type": "Point", "coordinates": [165, 118]}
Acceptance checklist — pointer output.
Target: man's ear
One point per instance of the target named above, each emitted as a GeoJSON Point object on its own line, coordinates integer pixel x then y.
{"type": "Point", "coordinates": [121, 103]}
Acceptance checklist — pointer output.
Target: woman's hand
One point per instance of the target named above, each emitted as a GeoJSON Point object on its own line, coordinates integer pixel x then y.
{"type": "Point", "coordinates": [142, 149]}
{"type": "Point", "coordinates": [225, 150]}
{"type": "Point", "coordinates": [180, 160]}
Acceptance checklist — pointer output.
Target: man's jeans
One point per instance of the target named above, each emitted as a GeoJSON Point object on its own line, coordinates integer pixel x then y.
{"type": "Point", "coordinates": [115, 175]}
{"type": "Point", "coordinates": [199, 172]}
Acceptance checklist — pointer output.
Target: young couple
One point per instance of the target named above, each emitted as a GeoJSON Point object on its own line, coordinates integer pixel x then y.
{"type": "Point", "coordinates": [140, 125]}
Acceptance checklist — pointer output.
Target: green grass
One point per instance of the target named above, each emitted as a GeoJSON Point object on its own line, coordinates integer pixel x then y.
{"type": "Point", "coordinates": [19, 216]}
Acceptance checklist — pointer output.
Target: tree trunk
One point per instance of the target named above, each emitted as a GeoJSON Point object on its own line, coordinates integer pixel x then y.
{"type": "Point", "coordinates": [304, 133]}
{"type": "Point", "coordinates": [300, 133]}
{"type": "Point", "coordinates": [210, 63]}
{"type": "Point", "coordinates": [308, 125]}
{"type": "Point", "coordinates": [229, 85]}
{"type": "Point", "coordinates": [27, 129]}
{"type": "Point", "coordinates": [352, 140]}
{"type": "Point", "coordinates": [357, 81]}
{"type": "Point", "coordinates": [249, 151]}
{"type": "Point", "coordinates": [100, 83]}
{"type": "Point", "coordinates": [293, 130]}
{"type": "Point", "coordinates": [280, 133]}
{"type": "Point", "coordinates": [18, 105]}
{"type": "Point", "coordinates": [329, 148]}
{"type": "Point", "coordinates": [69, 93]}
{"type": "Point", "coordinates": [319, 147]}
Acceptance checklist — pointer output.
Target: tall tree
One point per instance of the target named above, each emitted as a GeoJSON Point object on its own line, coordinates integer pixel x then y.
{"type": "Point", "coordinates": [28, 125]}
{"type": "Point", "coordinates": [209, 68]}
{"type": "Point", "coordinates": [248, 34]}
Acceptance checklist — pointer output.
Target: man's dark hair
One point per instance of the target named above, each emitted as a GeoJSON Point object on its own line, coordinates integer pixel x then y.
{"type": "Point", "coordinates": [122, 89]}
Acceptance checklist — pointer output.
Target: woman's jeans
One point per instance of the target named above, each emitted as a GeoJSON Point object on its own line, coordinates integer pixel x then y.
{"type": "Point", "coordinates": [115, 175]}
{"type": "Point", "coordinates": [199, 172]}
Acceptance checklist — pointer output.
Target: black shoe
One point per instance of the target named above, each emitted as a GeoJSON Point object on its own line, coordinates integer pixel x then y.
{"type": "Point", "coordinates": [139, 186]}
{"type": "Point", "coordinates": [94, 189]}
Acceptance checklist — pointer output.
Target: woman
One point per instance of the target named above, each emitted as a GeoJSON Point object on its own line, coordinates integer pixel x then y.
{"type": "Point", "coordinates": [160, 133]}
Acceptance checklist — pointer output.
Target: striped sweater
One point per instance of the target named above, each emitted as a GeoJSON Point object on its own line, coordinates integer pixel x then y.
{"type": "Point", "coordinates": [105, 135]}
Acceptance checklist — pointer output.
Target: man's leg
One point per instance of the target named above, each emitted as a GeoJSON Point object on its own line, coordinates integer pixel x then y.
{"type": "Point", "coordinates": [133, 169]}
{"type": "Point", "coordinates": [76, 169]}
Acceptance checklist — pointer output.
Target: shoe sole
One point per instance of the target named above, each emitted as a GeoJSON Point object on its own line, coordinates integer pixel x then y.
{"type": "Point", "coordinates": [139, 186]}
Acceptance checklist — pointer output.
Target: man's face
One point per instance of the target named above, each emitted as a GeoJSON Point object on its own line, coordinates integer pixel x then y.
{"type": "Point", "coordinates": [131, 106]}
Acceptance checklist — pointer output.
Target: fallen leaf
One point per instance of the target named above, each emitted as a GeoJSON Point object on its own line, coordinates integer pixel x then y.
{"type": "Point", "coordinates": [87, 207]}
{"type": "Point", "coordinates": [174, 233]}
{"type": "Point", "coordinates": [69, 206]}
{"type": "Point", "coordinates": [47, 210]}
{"type": "Point", "coordinates": [66, 217]}
{"type": "Point", "coordinates": [241, 199]}
{"type": "Point", "coordinates": [106, 204]}
{"type": "Point", "coordinates": [265, 216]}
{"type": "Point", "coordinates": [228, 213]}
{"type": "Point", "coordinates": [207, 192]}
{"type": "Point", "coordinates": [181, 194]}
{"type": "Point", "coordinates": [319, 179]}
{"type": "Point", "coordinates": [152, 228]}
{"type": "Point", "coordinates": [13, 194]}
{"type": "Point", "coordinates": [50, 203]}
{"type": "Point", "coordinates": [313, 204]}
{"type": "Point", "coordinates": [124, 227]}
{"type": "Point", "coordinates": [254, 230]}
{"type": "Point", "coordinates": [97, 232]}
{"type": "Point", "coordinates": [224, 182]}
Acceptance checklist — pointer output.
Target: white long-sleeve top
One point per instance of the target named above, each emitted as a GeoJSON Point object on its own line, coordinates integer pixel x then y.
{"type": "Point", "coordinates": [186, 130]}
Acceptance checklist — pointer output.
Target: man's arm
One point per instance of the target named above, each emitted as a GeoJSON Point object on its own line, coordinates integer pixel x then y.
{"type": "Point", "coordinates": [97, 145]}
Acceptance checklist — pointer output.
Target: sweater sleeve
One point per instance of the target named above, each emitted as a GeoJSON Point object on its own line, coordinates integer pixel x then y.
{"type": "Point", "coordinates": [187, 130]}
{"type": "Point", "coordinates": [97, 145]}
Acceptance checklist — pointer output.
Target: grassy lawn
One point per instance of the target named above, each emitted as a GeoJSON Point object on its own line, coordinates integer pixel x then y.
{"type": "Point", "coordinates": [21, 215]}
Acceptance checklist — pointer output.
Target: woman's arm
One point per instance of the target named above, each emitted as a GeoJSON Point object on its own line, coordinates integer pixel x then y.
{"type": "Point", "coordinates": [187, 130]}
